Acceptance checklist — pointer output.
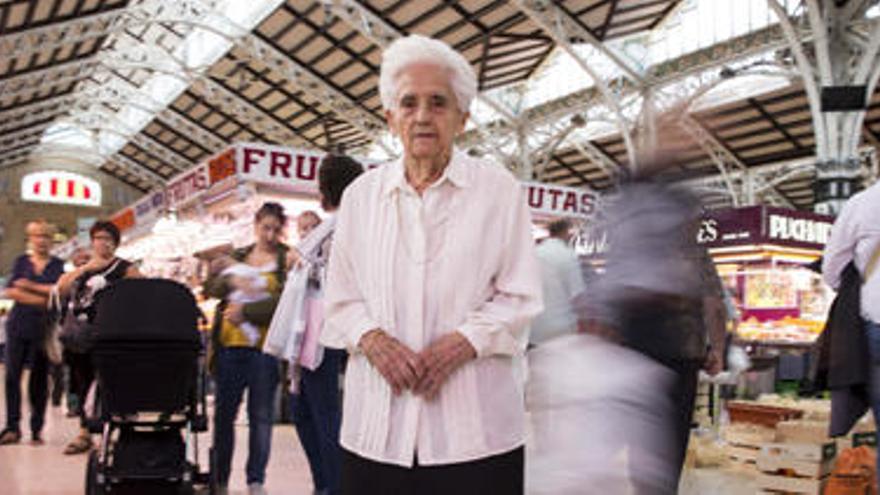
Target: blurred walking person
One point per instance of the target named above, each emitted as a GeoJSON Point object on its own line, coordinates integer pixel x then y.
{"type": "Point", "coordinates": [33, 276]}
{"type": "Point", "coordinates": [561, 283]}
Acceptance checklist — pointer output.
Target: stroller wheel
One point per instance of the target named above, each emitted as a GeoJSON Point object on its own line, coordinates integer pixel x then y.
{"type": "Point", "coordinates": [92, 486]}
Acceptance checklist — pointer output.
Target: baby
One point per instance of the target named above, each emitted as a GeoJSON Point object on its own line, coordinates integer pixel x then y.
{"type": "Point", "coordinates": [250, 286]}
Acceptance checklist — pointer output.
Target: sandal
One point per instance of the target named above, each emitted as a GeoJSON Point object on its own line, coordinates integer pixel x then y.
{"type": "Point", "coordinates": [78, 445]}
{"type": "Point", "coordinates": [8, 437]}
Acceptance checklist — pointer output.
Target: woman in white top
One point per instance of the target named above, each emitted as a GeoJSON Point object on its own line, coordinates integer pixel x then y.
{"type": "Point", "coordinates": [431, 283]}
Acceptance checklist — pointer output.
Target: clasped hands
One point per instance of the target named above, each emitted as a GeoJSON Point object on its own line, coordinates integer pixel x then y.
{"type": "Point", "coordinates": [425, 372]}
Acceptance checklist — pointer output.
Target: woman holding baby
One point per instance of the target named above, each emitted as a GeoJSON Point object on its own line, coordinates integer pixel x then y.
{"type": "Point", "coordinates": [248, 283]}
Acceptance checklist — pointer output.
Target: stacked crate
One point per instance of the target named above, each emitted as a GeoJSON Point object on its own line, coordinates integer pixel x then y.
{"type": "Point", "coordinates": [801, 468]}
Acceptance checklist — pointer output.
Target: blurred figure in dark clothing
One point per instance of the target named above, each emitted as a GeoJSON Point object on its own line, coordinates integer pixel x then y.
{"type": "Point", "coordinates": [656, 316]}
{"type": "Point", "coordinates": [661, 292]}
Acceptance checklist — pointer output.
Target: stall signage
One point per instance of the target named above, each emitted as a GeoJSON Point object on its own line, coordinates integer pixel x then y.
{"type": "Point", "coordinates": [187, 186]}
{"type": "Point", "coordinates": [784, 227]}
{"type": "Point", "coordinates": [149, 207]}
{"type": "Point", "coordinates": [551, 200]}
{"type": "Point", "coordinates": [221, 166]}
{"type": "Point", "coordinates": [279, 166]}
{"type": "Point", "coordinates": [124, 220]}
{"type": "Point", "coordinates": [733, 227]}
{"type": "Point", "coordinates": [60, 188]}
{"type": "Point", "coordinates": [765, 224]}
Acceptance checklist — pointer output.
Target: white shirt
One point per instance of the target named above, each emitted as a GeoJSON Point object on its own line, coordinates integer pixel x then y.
{"type": "Point", "coordinates": [561, 281]}
{"type": "Point", "coordinates": [856, 236]}
{"type": "Point", "coordinates": [458, 257]}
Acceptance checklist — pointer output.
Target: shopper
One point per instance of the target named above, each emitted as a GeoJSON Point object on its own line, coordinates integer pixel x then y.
{"type": "Point", "coordinates": [561, 281]}
{"type": "Point", "coordinates": [661, 293]}
{"type": "Point", "coordinates": [81, 287]}
{"type": "Point", "coordinates": [431, 284]}
{"type": "Point", "coordinates": [238, 363]}
{"type": "Point", "coordinates": [316, 405]}
{"type": "Point", "coordinates": [75, 370]}
{"type": "Point", "coordinates": [855, 238]}
{"type": "Point", "coordinates": [32, 278]}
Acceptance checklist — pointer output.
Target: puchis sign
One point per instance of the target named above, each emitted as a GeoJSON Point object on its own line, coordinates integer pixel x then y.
{"type": "Point", "coordinates": [60, 188]}
{"type": "Point", "coordinates": [765, 225]}
{"type": "Point", "coordinates": [749, 226]}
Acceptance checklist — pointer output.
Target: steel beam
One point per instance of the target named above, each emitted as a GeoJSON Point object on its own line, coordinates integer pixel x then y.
{"type": "Point", "coordinates": [382, 34]}
{"type": "Point", "coordinates": [186, 127]}
{"type": "Point", "coordinates": [161, 152]}
{"type": "Point", "coordinates": [137, 169]}
{"type": "Point", "coordinates": [259, 120]}
{"type": "Point", "coordinates": [10, 140]}
{"type": "Point", "coordinates": [123, 93]}
{"type": "Point", "coordinates": [33, 112]}
{"type": "Point", "coordinates": [344, 108]}
{"type": "Point", "coordinates": [50, 76]}
{"type": "Point", "coordinates": [564, 28]}
{"type": "Point", "coordinates": [15, 155]}
{"type": "Point", "coordinates": [561, 28]}
{"type": "Point", "coordinates": [597, 157]}
{"type": "Point", "coordinates": [662, 75]}
{"type": "Point", "coordinates": [59, 35]}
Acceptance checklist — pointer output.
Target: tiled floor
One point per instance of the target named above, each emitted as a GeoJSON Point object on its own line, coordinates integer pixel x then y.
{"type": "Point", "coordinates": [44, 470]}
{"type": "Point", "coordinates": [28, 469]}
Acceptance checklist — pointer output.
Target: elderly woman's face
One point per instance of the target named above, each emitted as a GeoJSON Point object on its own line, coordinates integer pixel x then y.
{"type": "Point", "coordinates": [425, 116]}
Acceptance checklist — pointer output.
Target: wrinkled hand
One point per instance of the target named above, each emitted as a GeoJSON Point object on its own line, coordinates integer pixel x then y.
{"type": "Point", "coordinates": [442, 358]}
{"type": "Point", "coordinates": [398, 364]}
{"type": "Point", "coordinates": [234, 313]}
{"type": "Point", "coordinates": [714, 363]}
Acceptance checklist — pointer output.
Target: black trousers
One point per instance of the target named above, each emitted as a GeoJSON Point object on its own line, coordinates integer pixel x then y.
{"type": "Point", "coordinates": [684, 394]}
{"type": "Point", "coordinates": [82, 374]}
{"type": "Point", "coordinates": [497, 475]}
{"type": "Point", "coordinates": [18, 353]}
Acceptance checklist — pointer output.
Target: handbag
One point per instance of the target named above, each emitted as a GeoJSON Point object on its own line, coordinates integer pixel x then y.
{"type": "Point", "coordinates": [52, 343]}
{"type": "Point", "coordinates": [77, 332]}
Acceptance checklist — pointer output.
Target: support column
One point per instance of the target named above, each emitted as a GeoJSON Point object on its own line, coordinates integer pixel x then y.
{"type": "Point", "coordinates": [839, 74]}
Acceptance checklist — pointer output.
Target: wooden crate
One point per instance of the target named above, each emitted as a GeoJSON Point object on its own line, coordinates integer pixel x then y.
{"type": "Point", "coordinates": [815, 452]}
{"type": "Point", "coordinates": [803, 431]}
{"type": "Point", "coordinates": [795, 467]}
{"type": "Point", "coordinates": [760, 414]}
{"type": "Point", "coordinates": [743, 454]}
{"type": "Point", "coordinates": [783, 466]}
{"type": "Point", "coordinates": [770, 483]}
{"type": "Point", "coordinates": [748, 435]}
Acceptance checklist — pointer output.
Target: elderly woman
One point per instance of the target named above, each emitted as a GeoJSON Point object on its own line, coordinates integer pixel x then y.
{"type": "Point", "coordinates": [431, 283]}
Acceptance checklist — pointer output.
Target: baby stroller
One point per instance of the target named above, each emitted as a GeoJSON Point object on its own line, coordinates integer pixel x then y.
{"type": "Point", "coordinates": [151, 397]}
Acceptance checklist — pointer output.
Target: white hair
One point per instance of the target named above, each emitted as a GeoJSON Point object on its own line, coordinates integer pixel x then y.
{"type": "Point", "coordinates": [418, 49]}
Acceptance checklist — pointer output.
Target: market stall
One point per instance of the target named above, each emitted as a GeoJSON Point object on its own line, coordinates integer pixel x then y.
{"type": "Point", "coordinates": [207, 210]}
{"type": "Point", "coordinates": [763, 255]}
